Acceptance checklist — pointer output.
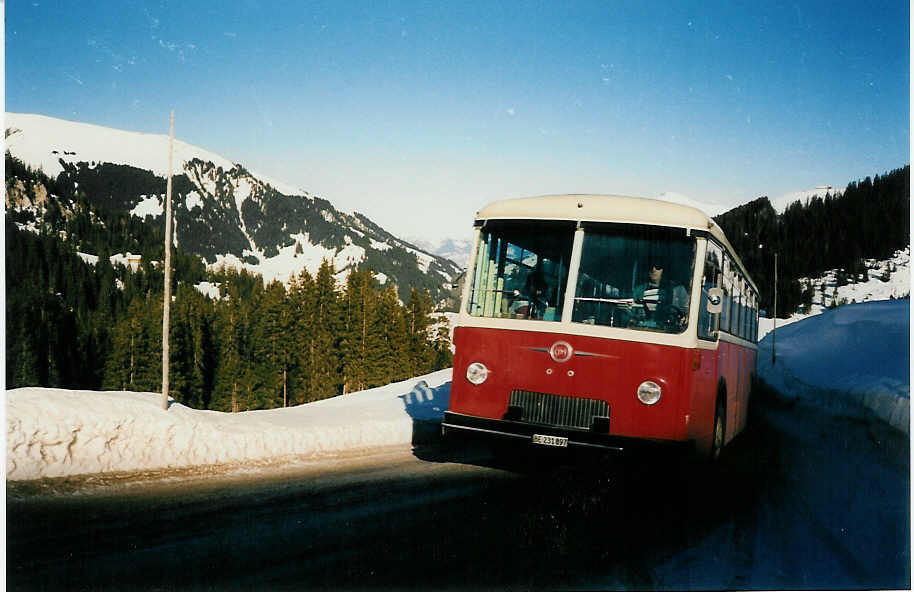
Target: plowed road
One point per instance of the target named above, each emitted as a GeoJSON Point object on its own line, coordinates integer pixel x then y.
{"type": "Point", "coordinates": [803, 499]}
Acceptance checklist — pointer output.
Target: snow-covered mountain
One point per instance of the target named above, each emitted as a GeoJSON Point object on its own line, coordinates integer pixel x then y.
{"type": "Point", "coordinates": [457, 250]}
{"type": "Point", "coordinates": [223, 212]}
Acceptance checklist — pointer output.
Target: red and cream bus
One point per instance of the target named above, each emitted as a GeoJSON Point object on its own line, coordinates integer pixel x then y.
{"type": "Point", "coordinates": [603, 321]}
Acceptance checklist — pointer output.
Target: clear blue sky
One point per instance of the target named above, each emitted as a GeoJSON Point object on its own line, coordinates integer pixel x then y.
{"type": "Point", "coordinates": [417, 114]}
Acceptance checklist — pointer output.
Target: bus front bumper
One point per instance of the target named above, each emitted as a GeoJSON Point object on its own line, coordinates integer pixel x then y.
{"type": "Point", "coordinates": [500, 429]}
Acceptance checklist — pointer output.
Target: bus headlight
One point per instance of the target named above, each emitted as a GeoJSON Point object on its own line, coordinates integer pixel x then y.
{"type": "Point", "coordinates": [477, 373]}
{"type": "Point", "coordinates": [649, 392]}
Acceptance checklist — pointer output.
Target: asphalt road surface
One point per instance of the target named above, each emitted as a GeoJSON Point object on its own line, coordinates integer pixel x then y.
{"type": "Point", "coordinates": [803, 499]}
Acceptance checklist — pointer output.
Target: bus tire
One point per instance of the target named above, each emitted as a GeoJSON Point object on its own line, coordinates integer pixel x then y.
{"type": "Point", "coordinates": [719, 433]}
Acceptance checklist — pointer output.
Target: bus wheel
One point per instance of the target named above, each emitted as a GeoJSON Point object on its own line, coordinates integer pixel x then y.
{"type": "Point", "coordinates": [720, 429]}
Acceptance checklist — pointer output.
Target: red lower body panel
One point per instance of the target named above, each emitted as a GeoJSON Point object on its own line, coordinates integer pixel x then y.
{"type": "Point", "coordinates": [601, 370]}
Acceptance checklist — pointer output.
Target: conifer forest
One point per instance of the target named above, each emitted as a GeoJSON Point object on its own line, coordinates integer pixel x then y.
{"type": "Point", "coordinates": [869, 219]}
{"type": "Point", "coordinates": [71, 323]}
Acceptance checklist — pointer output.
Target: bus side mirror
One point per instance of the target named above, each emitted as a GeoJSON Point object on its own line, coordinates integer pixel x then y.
{"type": "Point", "coordinates": [715, 300]}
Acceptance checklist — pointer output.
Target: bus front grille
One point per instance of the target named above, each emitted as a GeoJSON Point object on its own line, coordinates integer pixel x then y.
{"type": "Point", "coordinates": [557, 410]}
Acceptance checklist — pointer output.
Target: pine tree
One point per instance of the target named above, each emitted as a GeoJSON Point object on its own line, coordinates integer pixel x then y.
{"type": "Point", "coordinates": [443, 358]}
{"type": "Point", "coordinates": [191, 356]}
{"type": "Point", "coordinates": [359, 299]}
{"type": "Point", "coordinates": [228, 367]}
{"type": "Point", "coordinates": [322, 349]}
{"type": "Point", "coordinates": [272, 334]}
{"type": "Point", "coordinates": [136, 363]}
{"type": "Point", "coordinates": [299, 303]}
{"type": "Point", "coordinates": [421, 352]}
{"type": "Point", "coordinates": [388, 340]}
{"type": "Point", "coordinates": [23, 354]}
{"type": "Point", "coordinates": [235, 387]}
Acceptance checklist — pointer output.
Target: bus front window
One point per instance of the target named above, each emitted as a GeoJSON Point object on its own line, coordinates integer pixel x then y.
{"type": "Point", "coordinates": [636, 277]}
{"type": "Point", "coordinates": [521, 270]}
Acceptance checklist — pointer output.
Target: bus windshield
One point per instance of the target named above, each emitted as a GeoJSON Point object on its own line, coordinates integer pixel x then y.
{"type": "Point", "coordinates": [635, 276]}
{"type": "Point", "coordinates": [521, 270]}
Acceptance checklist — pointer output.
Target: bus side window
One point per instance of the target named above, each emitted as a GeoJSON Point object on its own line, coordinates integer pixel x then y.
{"type": "Point", "coordinates": [725, 286]}
{"type": "Point", "coordinates": [735, 294]}
{"type": "Point", "coordinates": [744, 309]}
{"type": "Point", "coordinates": [752, 316]}
{"type": "Point", "coordinates": [708, 322]}
{"type": "Point", "coordinates": [737, 304]}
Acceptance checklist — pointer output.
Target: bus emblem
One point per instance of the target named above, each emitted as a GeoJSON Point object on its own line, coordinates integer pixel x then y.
{"type": "Point", "coordinates": [561, 351]}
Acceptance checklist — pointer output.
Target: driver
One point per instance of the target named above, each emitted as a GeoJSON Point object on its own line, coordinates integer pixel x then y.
{"type": "Point", "coordinates": [535, 288]}
{"type": "Point", "coordinates": [666, 303]}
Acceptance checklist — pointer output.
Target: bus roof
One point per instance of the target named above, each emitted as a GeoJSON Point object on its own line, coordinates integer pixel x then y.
{"type": "Point", "coordinates": [608, 208]}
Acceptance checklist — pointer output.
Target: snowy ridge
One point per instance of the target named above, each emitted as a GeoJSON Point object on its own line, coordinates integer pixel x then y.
{"type": "Point", "coordinates": [85, 142]}
{"type": "Point", "coordinates": [75, 142]}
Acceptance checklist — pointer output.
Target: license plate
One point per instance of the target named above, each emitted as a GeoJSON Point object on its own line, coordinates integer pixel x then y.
{"type": "Point", "coordinates": [550, 440]}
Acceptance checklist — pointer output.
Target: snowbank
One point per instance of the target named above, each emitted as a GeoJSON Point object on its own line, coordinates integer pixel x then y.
{"type": "Point", "coordinates": [55, 433]}
{"type": "Point", "coordinates": [855, 353]}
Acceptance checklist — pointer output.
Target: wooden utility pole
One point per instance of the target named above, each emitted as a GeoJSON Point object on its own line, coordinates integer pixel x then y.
{"type": "Point", "coordinates": [166, 308]}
